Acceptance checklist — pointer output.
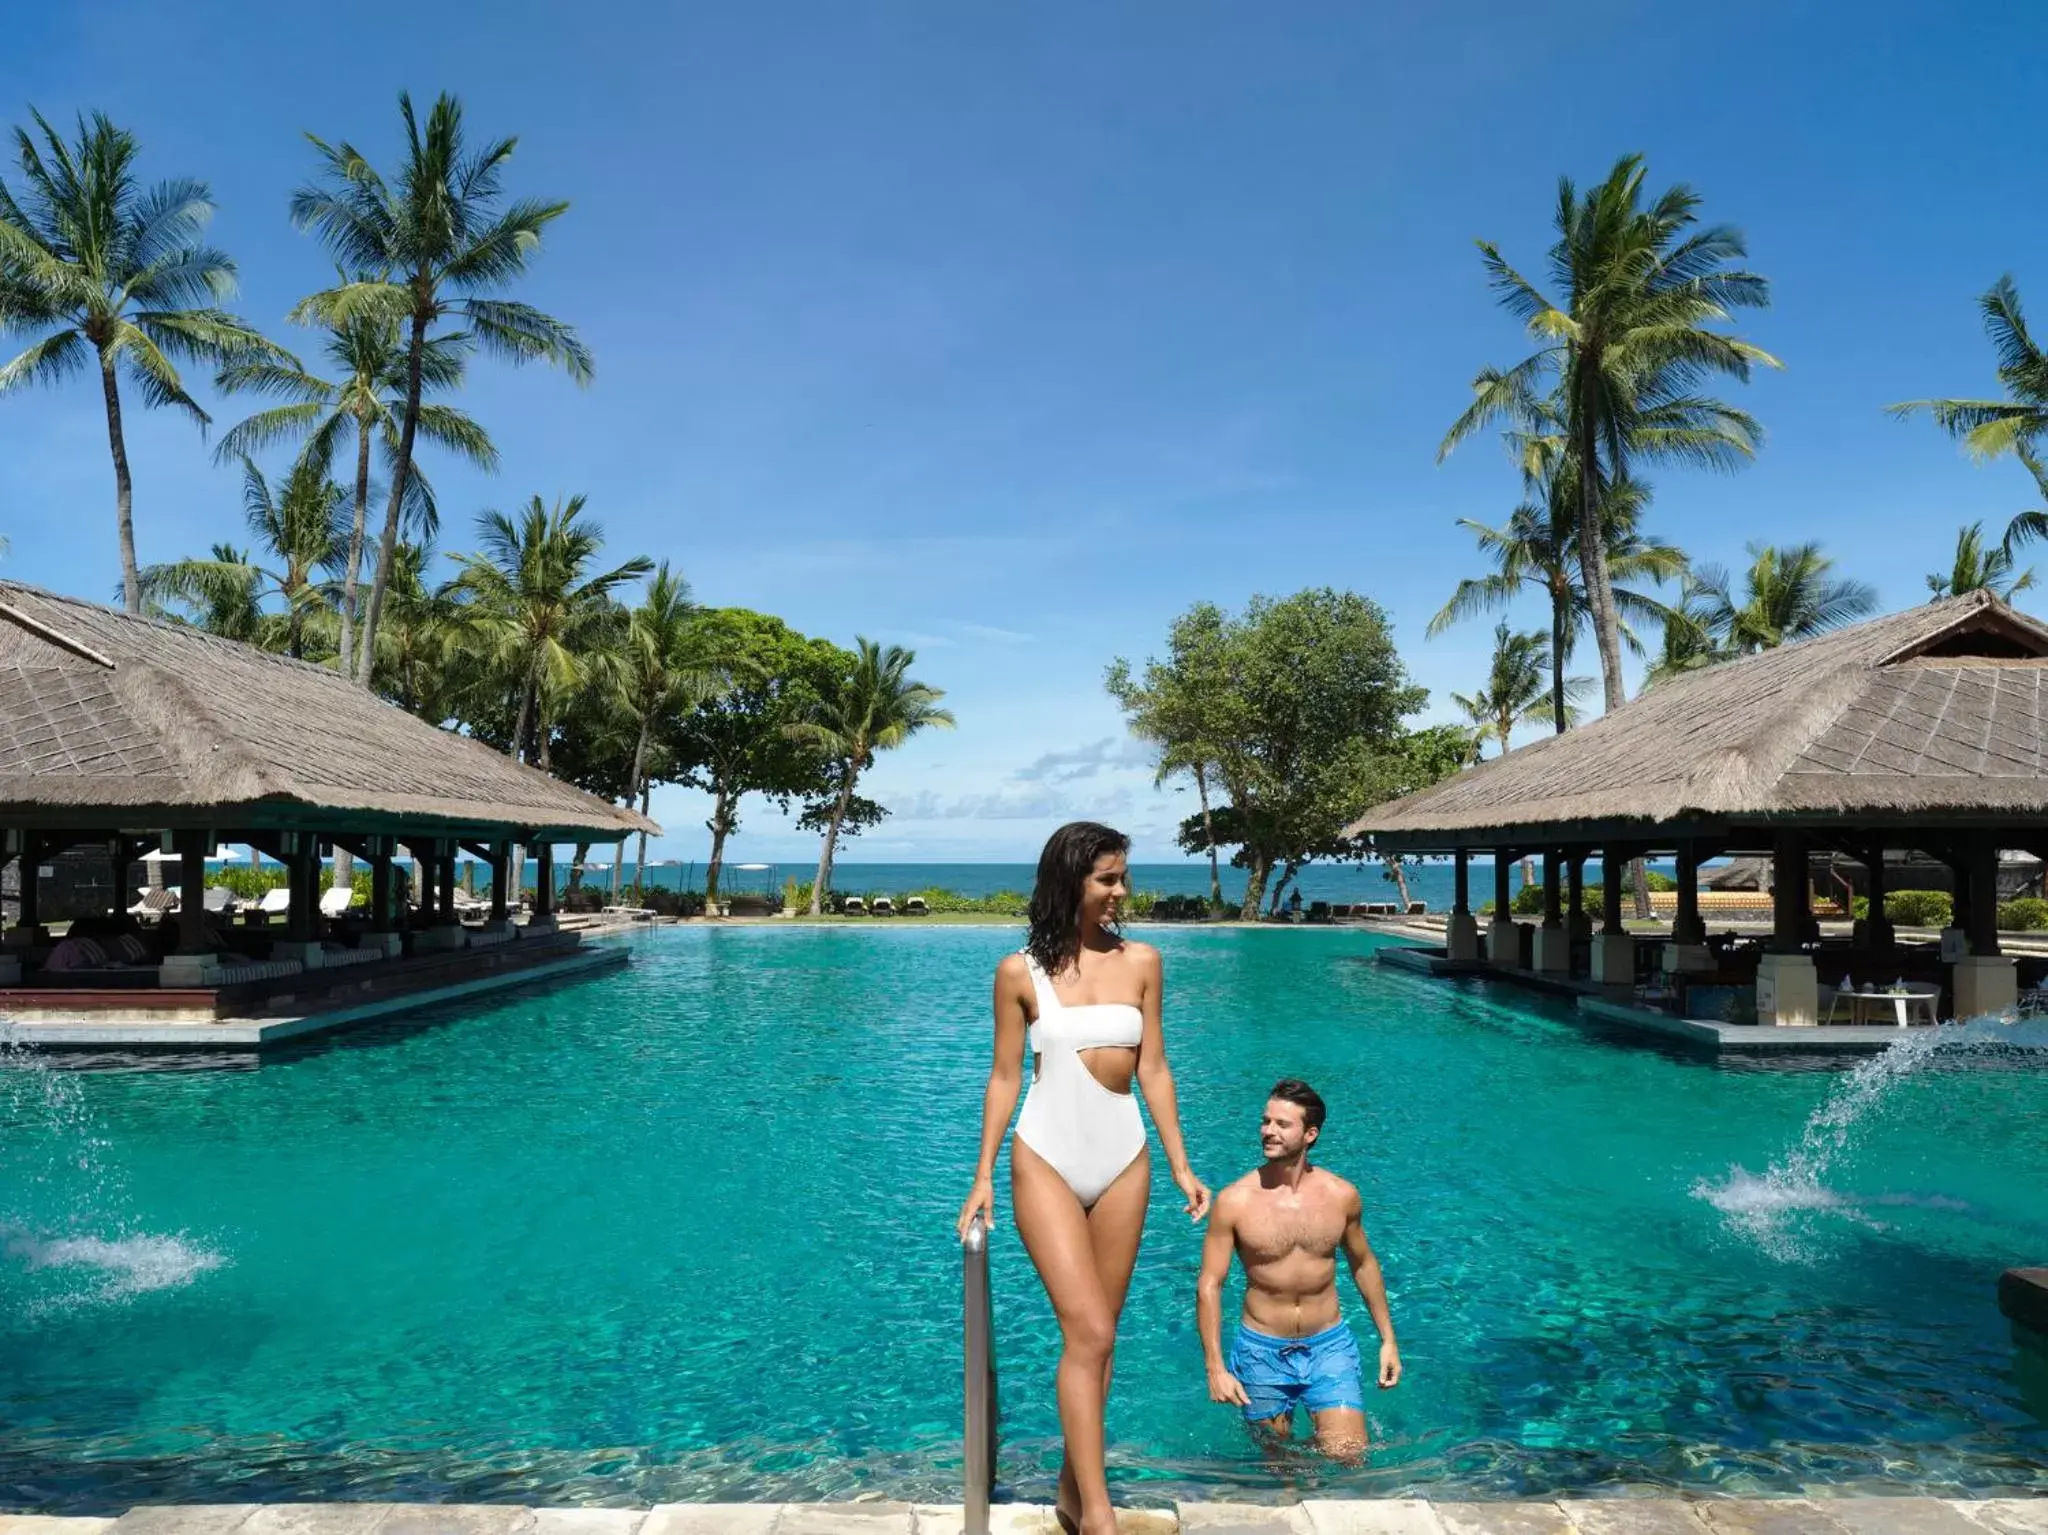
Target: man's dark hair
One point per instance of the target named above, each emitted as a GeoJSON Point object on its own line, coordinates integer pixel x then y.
{"type": "Point", "coordinates": [1297, 1092]}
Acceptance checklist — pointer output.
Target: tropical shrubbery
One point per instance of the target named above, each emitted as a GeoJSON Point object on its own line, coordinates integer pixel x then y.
{"type": "Point", "coordinates": [2027, 914]}
{"type": "Point", "coordinates": [1919, 908]}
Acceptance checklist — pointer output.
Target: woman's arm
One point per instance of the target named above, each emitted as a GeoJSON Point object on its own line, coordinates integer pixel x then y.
{"type": "Point", "coordinates": [1005, 1081]}
{"type": "Point", "coordinates": [1155, 1080]}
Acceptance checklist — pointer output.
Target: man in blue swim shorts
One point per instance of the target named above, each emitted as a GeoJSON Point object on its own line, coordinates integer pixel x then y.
{"type": "Point", "coordinates": [1286, 1223]}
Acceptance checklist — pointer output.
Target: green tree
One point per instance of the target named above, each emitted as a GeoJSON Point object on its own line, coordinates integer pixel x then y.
{"type": "Point", "coordinates": [746, 738]}
{"type": "Point", "coordinates": [1314, 690]}
{"type": "Point", "coordinates": [421, 664]}
{"type": "Point", "coordinates": [537, 610]}
{"type": "Point", "coordinates": [1787, 594]}
{"type": "Point", "coordinates": [1624, 347]}
{"type": "Point", "coordinates": [1183, 708]}
{"type": "Point", "coordinates": [229, 603]}
{"type": "Point", "coordinates": [1538, 547]}
{"type": "Point", "coordinates": [1516, 688]}
{"type": "Point", "coordinates": [300, 529]}
{"type": "Point", "coordinates": [1690, 639]}
{"type": "Point", "coordinates": [441, 245]}
{"type": "Point", "coordinates": [1979, 566]}
{"type": "Point", "coordinates": [365, 399]}
{"type": "Point", "coordinates": [874, 707]}
{"type": "Point", "coordinates": [120, 269]}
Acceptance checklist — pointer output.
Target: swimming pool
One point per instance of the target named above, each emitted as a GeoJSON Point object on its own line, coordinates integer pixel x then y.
{"type": "Point", "coordinates": [685, 1232]}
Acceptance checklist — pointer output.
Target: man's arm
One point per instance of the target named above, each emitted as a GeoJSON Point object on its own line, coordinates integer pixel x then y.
{"type": "Point", "coordinates": [1217, 1248]}
{"type": "Point", "coordinates": [1372, 1289]}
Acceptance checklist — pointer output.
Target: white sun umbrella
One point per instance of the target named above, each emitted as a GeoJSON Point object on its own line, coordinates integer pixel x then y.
{"type": "Point", "coordinates": [158, 855]}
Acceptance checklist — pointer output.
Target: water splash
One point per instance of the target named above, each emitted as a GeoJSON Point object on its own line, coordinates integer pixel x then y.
{"type": "Point", "coordinates": [1781, 1208]}
{"type": "Point", "coordinates": [64, 1227]}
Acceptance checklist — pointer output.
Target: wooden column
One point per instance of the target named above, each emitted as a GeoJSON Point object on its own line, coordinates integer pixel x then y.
{"type": "Point", "coordinates": [192, 848]}
{"type": "Point", "coordinates": [426, 858]}
{"type": "Point", "coordinates": [1979, 876]}
{"type": "Point", "coordinates": [302, 876]}
{"type": "Point", "coordinates": [501, 865]}
{"type": "Point", "coordinates": [544, 880]}
{"type": "Point", "coordinates": [1686, 926]}
{"type": "Point", "coordinates": [1791, 904]}
{"type": "Point", "coordinates": [380, 893]}
{"type": "Point", "coordinates": [1503, 866]}
{"type": "Point", "coordinates": [446, 886]}
{"type": "Point", "coordinates": [1612, 861]}
{"type": "Point", "coordinates": [1877, 927]}
{"type": "Point", "coordinates": [1461, 882]}
{"type": "Point", "coordinates": [1553, 893]}
{"type": "Point", "coordinates": [1575, 887]}
{"type": "Point", "coordinates": [31, 896]}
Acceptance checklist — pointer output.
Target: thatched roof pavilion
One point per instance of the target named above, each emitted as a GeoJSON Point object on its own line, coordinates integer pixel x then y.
{"type": "Point", "coordinates": [1923, 730]}
{"type": "Point", "coordinates": [123, 730]}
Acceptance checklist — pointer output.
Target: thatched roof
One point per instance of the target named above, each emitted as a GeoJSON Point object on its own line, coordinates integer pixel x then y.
{"type": "Point", "coordinates": [1930, 716]}
{"type": "Point", "coordinates": [107, 719]}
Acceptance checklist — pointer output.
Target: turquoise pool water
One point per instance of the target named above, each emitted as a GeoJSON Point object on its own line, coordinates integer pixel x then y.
{"type": "Point", "coordinates": [684, 1232]}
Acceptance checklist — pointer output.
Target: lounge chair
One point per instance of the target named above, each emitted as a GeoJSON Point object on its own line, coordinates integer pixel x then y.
{"type": "Point", "coordinates": [220, 900]}
{"type": "Point", "coordinates": [883, 907]}
{"type": "Point", "coordinates": [855, 907]}
{"type": "Point", "coordinates": [334, 900]}
{"type": "Point", "coordinates": [1318, 911]}
{"type": "Point", "coordinates": [155, 904]}
{"type": "Point", "coordinates": [1418, 908]}
{"type": "Point", "coordinates": [914, 906]}
{"type": "Point", "coordinates": [277, 900]}
{"type": "Point", "coordinates": [1340, 911]}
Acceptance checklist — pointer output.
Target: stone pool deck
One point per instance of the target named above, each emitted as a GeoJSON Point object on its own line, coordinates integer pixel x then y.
{"type": "Point", "coordinates": [1393, 1516]}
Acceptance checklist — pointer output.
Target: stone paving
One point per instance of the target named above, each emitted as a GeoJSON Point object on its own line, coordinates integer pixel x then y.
{"type": "Point", "coordinates": [1392, 1516]}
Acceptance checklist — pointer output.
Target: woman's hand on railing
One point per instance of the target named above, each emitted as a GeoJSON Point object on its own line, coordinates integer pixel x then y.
{"type": "Point", "coordinates": [981, 1200]}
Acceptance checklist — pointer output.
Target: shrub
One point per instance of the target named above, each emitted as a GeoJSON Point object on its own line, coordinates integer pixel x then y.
{"type": "Point", "coordinates": [2024, 915]}
{"type": "Point", "coordinates": [1920, 908]}
{"type": "Point", "coordinates": [1528, 901]}
{"type": "Point", "coordinates": [998, 903]}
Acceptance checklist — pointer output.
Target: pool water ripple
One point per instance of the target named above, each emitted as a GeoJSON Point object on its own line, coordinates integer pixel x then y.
{"type": "Point", "coordinates": [685, 1232]}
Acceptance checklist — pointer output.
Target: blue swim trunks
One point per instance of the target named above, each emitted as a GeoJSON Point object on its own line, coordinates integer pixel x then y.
{"type": "Point", "coordinates": [1318, 1372]}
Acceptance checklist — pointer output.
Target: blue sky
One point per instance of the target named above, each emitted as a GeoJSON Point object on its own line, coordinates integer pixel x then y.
{"type": "Point", "coordinates": [1006, 333]}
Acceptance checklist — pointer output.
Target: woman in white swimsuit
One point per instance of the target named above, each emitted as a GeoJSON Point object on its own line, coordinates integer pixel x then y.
{"type": "Point", "coordinates": [1087, 1001]}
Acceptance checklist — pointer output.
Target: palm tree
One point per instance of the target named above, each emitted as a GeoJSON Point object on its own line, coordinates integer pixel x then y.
{"type": "Point", "coordinates": [876, 708]}
{"type": "Point", "coordinates": [1980, 567]}
{"type": "Point", "coordinates": [298, 525]}
{"type": "Point", "coordinates": [1788, 594]}
{"type": "Point", "coordinates": [366, 398]}
{"type": "Point", "coordinates": [1517, 687]}
{"type": "Point", "coordinates": [440, 245]}
{"type": "Point", "coordinates": [1623, 348]}
{"type": "Point", "coordinates": [1690, 641]}
{"type": "Point", "coordinates": [535, 606]}
{"type": "Point", "coordinates": [664, 667]}
{"type": "Point", "coordinates": [228, 602]}
{"type": "Point", "coordinates": [418, 661]}
{"type": "Point", "coordinates": [120, 270]}
{"type": "Point", "coordinates": [1538, 547]}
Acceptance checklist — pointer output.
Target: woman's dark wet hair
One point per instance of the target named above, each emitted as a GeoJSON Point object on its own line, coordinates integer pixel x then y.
{"type": "Point", "coordinates": [1064, 866]}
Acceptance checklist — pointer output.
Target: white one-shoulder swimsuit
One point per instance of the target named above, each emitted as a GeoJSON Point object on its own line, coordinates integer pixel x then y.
{"type": "Point", "coordinates": [1087, 1132]}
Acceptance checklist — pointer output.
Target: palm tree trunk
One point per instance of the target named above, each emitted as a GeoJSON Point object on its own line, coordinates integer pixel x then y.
{"type": "Point", "coordinates": [124, 490]}
{"type": "Point", "coordinates": [824, 880]}
{"type": "Point", "coordinates": [1593, 558]}
{"type": "Point", "coordinates": [524, 723]}
{"type": "Point", "coordinates": [632, 791]}
{"type": "Point", "coordinates": [1560, 615]}
{"type": "Point", "coordinates": [355, 551]}
{"type": "Point", "coordinates": [1209, 836]}
{"type": "Point", "coordinates": [640, 867]}
{"type": "Point", "coordinates": [720, 827]}
{"type": "Point", "coordinates": [401, 471]}
{"type": "Point", "coordinates": [576, 865]}
{"type": "Point", "coordinates": [1288, 870]}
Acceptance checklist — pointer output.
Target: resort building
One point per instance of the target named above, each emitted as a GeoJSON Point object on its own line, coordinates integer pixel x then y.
{"type": "Point", "coordinates": [1920, 732]}
{"type": "Point", "coordinates": [136, 738]}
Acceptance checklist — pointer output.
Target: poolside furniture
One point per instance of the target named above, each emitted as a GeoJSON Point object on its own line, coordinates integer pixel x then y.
{"type": "Point", "coordinates": [276, 901]}
{"type": "Point", "coordinates": [1895, 1005]}
{"type": "Point", "coordinates": [155, 904]}
{"type": "Point", "coordinates": [334, 900]}
{"type": "Point", "coordinates": [220, 900]}
{"type": "Point", "coordinates": [1318, 911]}
{"type": "Point", "coordinates": [855, 907]}
{"type": "Point", "coordinates": [914, 906]}
{"type": "Point", "coordinates": [883, 907]}
{"type": "Point", "coordinates": [1418, 908]}
{"type": "Point", "coordinates": [1341, 911]}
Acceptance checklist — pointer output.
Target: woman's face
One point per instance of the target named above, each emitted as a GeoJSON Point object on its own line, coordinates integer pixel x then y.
{"type": "Point", "coordinates": [1103, 891]}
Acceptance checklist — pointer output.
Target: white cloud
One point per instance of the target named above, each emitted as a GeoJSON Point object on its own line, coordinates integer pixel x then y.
{"type": "Point", "coordinates": [999, 636]}
{"type": "Point", "coordinates": [1086, 761]}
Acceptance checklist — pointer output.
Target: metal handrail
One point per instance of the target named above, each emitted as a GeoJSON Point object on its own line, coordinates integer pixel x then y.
{"type": "Point", "coordinates": [978, 1314]}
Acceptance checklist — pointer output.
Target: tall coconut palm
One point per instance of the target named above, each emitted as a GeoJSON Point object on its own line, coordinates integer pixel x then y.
{"type": "Point", "coordinates": [1690, 639]}
{"type": "Point", "coordinates": [876, 708]}
{"type": "Point", "coordinates": [1538, 548]}
{"type": "Point", "coordinates": [535, 603]}
{"type": "Point", "coordinates": [441, 243]}
{"type": "Point", "coordinates": [1517, 688]}
{"type": "Point", "coordinates": [1979, 566]}
{"type": "Point", "coordinates": [666, 665]}
{"type": "Point", "coordinates": [364, 399]}
{"type": "Point", "coordinates": [419, 664]}
{"type": "Point", "coordinates": [119, 268]}
{"type": "Point", "coordinates": [227, 602]}
{"type": "Point", "coordinates": [1623, 347]}
{"type": "Point", "coordinates": [1786, 595]}
{"type": "Point", "coordinates": [300, 528]}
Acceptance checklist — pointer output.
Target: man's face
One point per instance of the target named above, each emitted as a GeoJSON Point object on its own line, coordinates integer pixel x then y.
{"type": "Point", "coordinates": [1284, 1131]}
